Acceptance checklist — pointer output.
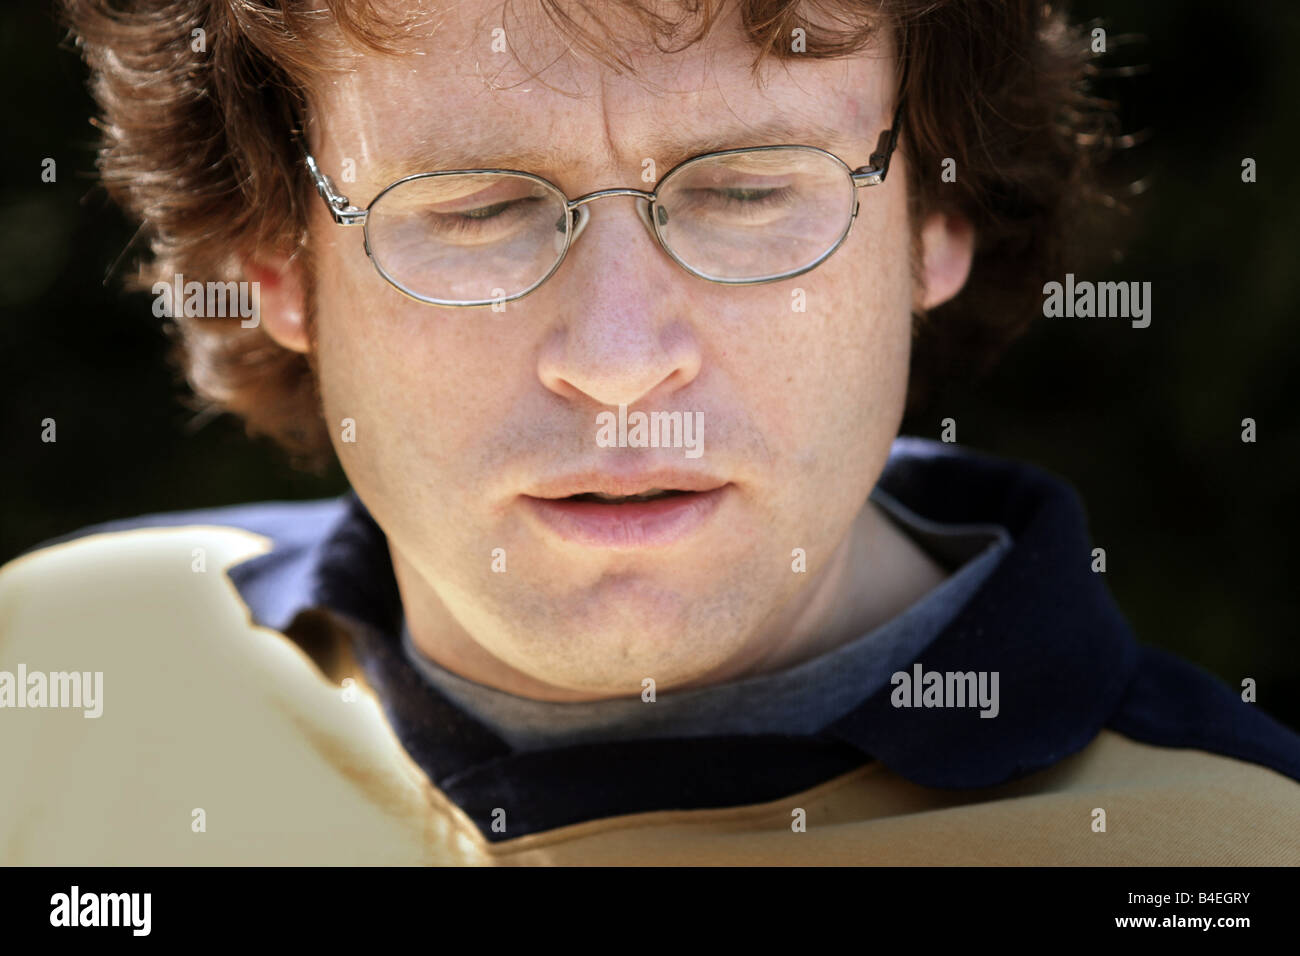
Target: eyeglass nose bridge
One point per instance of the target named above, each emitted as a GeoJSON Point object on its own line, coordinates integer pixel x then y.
{"type": "Point", "coordinates": [643, 204]}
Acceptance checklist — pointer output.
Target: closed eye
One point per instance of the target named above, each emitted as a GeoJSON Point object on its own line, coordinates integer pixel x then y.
{"type": "Point", "coordinates": [469, 222]}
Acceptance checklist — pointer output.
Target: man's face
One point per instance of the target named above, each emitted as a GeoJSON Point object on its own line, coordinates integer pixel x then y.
{"type": "Point", "coordinates": [464, 418]}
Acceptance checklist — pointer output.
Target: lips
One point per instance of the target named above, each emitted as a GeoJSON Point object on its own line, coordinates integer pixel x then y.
{"type": "Point", "coordinates": [624, 484]}
{"type": "Point", "coordinates": [626, 512]}
{"type": "Point", "coordinates": [651, 495]}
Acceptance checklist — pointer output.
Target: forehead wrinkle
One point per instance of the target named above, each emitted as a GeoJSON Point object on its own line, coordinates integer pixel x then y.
{"type": "Point", "coordinates": [667, 148]}
{"type": "Point", "coordinates": [610, 146]}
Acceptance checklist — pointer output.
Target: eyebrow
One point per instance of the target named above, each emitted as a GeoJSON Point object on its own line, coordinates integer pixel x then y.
{"type": "Point", "coordinates": [666, 151]}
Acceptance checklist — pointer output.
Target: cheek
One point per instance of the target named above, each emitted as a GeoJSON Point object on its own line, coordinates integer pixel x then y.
{"type": "Point", "coordinates": [439, 398]}
{"type": "Point", "coordinates": [872, 331]}
{"type": "Point", "coordinates": [830, 382]}
{"type": "Point", "coordinates": [869, 326]}
{"type": "Point", "coordinates": [384, 364]}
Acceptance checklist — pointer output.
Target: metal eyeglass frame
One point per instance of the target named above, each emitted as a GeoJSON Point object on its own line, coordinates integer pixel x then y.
{"type": "Point", "coordinates": [345, 214]}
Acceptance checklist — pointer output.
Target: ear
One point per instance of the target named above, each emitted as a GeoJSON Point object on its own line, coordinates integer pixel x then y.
{"type": "Point", "coordinates": [948, 245]}
{"type": "Point", "coordinates": [282, 299]}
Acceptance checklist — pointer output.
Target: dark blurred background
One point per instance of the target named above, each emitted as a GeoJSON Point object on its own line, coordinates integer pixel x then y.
{"type": "Point", "coordinates": [1146, 423]}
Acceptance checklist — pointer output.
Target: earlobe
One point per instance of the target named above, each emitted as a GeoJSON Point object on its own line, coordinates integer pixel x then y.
{"type": "Point", "coordinates": [282, 300]}
{"type": "Point", "coordinates": [948, 245]}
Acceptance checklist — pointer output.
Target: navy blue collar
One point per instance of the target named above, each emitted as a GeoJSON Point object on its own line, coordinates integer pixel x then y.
{"type": "Point", "coordinates": [1043, 620]}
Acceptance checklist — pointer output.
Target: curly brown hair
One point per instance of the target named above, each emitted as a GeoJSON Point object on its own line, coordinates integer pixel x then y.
{"type": "Point", "coordinates": [197, 146]}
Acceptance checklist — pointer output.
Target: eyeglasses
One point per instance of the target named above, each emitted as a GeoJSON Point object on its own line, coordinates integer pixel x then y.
{"type": "Point", "coordinates": [474, 237]}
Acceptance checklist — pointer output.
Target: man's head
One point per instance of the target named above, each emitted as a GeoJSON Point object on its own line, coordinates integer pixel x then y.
{"type": "Point", "coordinates": [461, 429]}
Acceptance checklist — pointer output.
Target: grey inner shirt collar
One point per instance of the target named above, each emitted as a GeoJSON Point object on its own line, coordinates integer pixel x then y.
{"type": "Point", "coordinates": [798, 700]}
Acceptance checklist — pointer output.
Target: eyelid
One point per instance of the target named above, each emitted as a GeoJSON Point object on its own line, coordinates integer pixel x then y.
{"type": "Point", "coordinates": [481, 199]}
{"type": "Point", "coordinates": [756, 162]}
{"type": "Point", "coordinates": [741, 181]}
{"type": "Point", "coordinates": [424, 193]}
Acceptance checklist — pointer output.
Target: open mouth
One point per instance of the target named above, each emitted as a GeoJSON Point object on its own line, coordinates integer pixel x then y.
{"type": "Point", "coordinates": [655, 517]}
{"type": "Point", "coordinates": [654, 494]}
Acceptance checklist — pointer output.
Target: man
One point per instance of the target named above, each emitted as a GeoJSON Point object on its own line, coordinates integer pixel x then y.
{"type": "Point", "coordinates": [634, 570]}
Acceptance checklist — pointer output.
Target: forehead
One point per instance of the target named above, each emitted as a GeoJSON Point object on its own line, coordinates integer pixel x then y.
{"type": "Point", "coordinates": [478, 83]}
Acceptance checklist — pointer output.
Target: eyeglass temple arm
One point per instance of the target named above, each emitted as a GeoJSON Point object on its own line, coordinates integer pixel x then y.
{"type": "Point", "coordinates": [344, 213]}
{"type": "Point", "coordinates": [874, 174]}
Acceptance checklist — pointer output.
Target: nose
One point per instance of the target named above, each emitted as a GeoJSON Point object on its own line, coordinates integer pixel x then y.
{"type": "Point", "coordinates": [623, 335]}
